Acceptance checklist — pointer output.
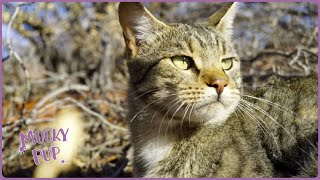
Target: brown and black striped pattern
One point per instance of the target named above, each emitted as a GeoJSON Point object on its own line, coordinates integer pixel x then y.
{"type": "Point", "coordinates": [271, 132]}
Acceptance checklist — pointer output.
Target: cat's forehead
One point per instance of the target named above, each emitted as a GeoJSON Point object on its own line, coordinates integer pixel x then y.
{"type": "Point", "coordinates": [189, 40]}
{"type": "Point", "coordinates": [200, 39]}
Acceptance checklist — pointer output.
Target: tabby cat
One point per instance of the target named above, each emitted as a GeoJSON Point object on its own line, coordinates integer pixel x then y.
{"type": "Point", "coordinates": [187, 115]}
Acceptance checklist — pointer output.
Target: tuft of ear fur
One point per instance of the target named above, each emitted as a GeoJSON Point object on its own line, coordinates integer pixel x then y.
{"type": "Point", "coordinates": [223, 19]}
{"type": "Point", "coordinates": [138, 25]}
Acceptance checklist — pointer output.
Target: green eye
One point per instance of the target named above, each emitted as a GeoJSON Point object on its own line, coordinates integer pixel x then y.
{"type": "Point", "coordinates": [182, 62]}
{"type": "Point", "coordinates": [227, 63]}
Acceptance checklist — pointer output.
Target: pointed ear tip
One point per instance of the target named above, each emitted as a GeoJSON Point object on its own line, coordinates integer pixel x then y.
{"type": "Point", "coordinates": [233, 9]}
{"type": "Point", "coordinates": [125, 5]}
{"type": "Point", "coordinates": [128, 9]}
{"type": "Point", "coordinates": [235, 5]}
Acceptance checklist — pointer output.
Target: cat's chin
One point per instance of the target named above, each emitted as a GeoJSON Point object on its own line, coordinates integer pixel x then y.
{"type": "Point", "coordinates": [213, 113]}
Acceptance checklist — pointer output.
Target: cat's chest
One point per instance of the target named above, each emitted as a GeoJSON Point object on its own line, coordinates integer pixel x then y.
{"type": "Point", "coordinates": [204, 152]}
{"type": "Point", "coordinates": [182, 152]}
{"type": "Point", "coordinates": [155, 150]}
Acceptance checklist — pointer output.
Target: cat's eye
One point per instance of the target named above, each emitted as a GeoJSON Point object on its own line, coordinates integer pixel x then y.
{"type": "Point", "coordinates": [182, 62]}
{"type": "Point", "coordinates": [227, 63]}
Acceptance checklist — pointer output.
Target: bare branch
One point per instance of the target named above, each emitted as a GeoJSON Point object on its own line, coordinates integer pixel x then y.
{"type": "Point", "coordinates": [99, 116]}
{"type": "Point", "coordinates": [16, 56]}
{"type": "Point", "coordinates": [55, 93]}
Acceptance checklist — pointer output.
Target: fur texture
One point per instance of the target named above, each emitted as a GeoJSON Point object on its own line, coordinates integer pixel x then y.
{"type": "Point", "coordinates": [193, 121]}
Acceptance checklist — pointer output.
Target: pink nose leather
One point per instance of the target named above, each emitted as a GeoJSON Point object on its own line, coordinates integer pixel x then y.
{"type": "Point", "coordinates": [219, 84]}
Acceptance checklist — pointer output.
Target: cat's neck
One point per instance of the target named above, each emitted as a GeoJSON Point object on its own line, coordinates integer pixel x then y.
{"type": "Point", "coordinates": [163, 126]}
{"type": "Point", "coordinates": [153, 136]}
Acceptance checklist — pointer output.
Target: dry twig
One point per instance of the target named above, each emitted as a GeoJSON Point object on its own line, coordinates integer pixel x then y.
{"type": "Point", "coordinates": [15, 55]}
{"type": "Point", "coordinates": [99, 116]}
{"type": "Point", "coordinates": [55, 93]}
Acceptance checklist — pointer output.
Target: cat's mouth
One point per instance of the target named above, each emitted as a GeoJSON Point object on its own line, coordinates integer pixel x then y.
{"type": "Point", "coordinates": [211, 102]}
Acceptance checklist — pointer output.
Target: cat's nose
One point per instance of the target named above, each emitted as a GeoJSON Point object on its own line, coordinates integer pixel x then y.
{"type": "Point", "coordinates": [219, 84]}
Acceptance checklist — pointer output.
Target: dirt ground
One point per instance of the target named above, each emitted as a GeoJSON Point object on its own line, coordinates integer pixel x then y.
{"type": "Point", "coordinates": [72, 55]}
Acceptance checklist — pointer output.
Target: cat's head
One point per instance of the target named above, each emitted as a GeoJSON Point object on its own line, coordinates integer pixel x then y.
{"type": "Point", "coordinates": [191, 67]}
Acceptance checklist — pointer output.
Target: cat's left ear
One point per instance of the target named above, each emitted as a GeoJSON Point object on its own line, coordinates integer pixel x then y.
{"type": "Point", "coordinates": [223, 19]}
{"type": "Point", "coordinates": [138, 24]}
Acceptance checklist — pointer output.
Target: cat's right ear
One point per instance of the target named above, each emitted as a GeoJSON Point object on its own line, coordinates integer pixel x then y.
{"type": "Point", "coordinates": [223, 19]}
{"type": "Point", "coordinates": [138, 25]}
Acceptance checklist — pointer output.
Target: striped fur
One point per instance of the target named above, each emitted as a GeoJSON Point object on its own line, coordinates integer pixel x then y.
{"type": "Point", "coordinates": [181, 127]}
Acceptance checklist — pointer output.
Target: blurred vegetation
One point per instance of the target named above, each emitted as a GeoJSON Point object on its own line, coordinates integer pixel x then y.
{"type": "Point", "coordinates": [75, 56]}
